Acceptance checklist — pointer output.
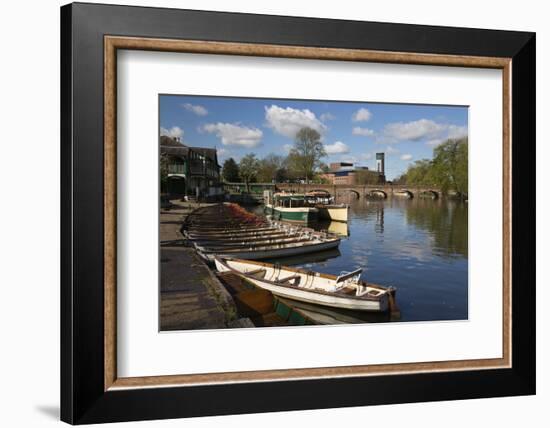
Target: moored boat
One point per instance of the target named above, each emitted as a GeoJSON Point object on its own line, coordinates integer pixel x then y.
{"type": "Point", "coordinates": [346, 291]}
{"type": "Point", "coordinates": [333, 212]}
{"type": "Point", "coordinates": [198, 232]}
{"type": "Point", "coordinates": [328, 209]}
{"type": "Point", "coordinates": [290, 207]}
{"type": "Point", "coordinates": [272, 250]}
{"type": "Point", "coordinates": [249, 243]}
{"type": "Point", "coordinates": [239, 238]}
{"type": "Point", "coordinates": [227, 230]}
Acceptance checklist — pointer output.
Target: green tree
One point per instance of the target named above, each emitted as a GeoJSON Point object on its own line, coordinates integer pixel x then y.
{"type": "Point", "coordinates": [165, 140]}
{"type": "Point", "coordinates": [448, 169]}
{"type": "Point", "coordinates": [420, 173]}
{"type": "Point", "coordinates": [304, 158]}
{"type": "Point", "coordinates": [230, 171]}
{"type": "Point", "coordinates": [270, 167]}
{"type": "Point", "coordinates": [461, 172]}
{"type": "Point", "coordinates": [281, 175]}
{"type": "Point", "coordinates": [248, 169]}
{"type": "Point", "coordinates": [450, 165]}
{"type": "Point", "coordinates": [402, 179]}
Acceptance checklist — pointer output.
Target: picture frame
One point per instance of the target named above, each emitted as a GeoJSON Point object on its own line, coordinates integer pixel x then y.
{"type": "Point", "coordinates": [91, 391]}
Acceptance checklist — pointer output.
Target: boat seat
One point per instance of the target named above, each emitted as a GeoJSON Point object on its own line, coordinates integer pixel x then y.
{"type": "Point", "coordinates": [290, 278]}
{"type": "Point", "coordinates": [348, 275]}
{"type": "Point", "coordinates": [257, 272]}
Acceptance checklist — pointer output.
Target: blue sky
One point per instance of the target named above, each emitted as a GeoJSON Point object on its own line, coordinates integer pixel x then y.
{"type": "Point", "coordinates": [350, 131]}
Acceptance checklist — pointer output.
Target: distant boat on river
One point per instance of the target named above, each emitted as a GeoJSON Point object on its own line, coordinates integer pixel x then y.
{"type": "Point", "coordinates": [289, 207]}
{"type": "Point", "coordinates": [304, 208]}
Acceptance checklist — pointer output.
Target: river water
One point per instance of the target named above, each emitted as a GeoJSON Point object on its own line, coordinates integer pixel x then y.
{"type": "Point", "coordinates": [420, 246]}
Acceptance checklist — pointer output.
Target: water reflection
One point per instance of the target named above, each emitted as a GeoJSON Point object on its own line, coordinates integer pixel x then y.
{"type": "Point", "coordinates": [318, 258]}
{"type": "Point", "coordinates": [337, 227]}
{"type": "Point", "coordinates": [448, 222]}
{"type": "Point", "coordinates": [418, 245]}
{"type": "Point", "coordinates": [325, 315]}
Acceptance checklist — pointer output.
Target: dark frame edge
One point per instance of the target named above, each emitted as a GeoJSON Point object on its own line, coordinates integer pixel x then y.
{"type": "Point", "coordinates": [66, 316]}
{"type": "Point", "coordinates": [523, 219]}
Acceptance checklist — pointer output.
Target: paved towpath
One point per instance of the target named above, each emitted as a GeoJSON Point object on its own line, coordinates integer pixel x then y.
{"type": "Point", "coordinates": [191, 297]}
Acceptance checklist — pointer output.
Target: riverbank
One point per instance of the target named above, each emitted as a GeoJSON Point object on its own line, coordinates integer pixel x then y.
{"type": "Point", "coordinates": [191, 297]}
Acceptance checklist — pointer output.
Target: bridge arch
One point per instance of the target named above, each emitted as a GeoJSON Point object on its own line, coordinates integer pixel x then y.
{"type": "Point", "coordinates": [348, 191]}
{"type": "Point", "coordinates": [374, 193]}
{"type": "Point", "coordinates": [458, 195]}
{"type": "Point", "coordinates": [431, 193]}
{"type": "Point", "coordinates": [326, 192]}
{"type": "Point", "coordinates": [405, 192]}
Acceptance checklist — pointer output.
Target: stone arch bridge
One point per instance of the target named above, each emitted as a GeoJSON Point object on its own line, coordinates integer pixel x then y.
{"type": "Point", "coordinates": [365, 190]}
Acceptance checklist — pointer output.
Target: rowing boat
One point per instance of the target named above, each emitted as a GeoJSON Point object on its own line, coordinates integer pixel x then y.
{"type": "Point", "coordinates": [221, 227]}
{"type": "Point", "coordinates": [227, 236]}
{"type": "Point", "coordinates": [274, 250]}
{"type": "Point", "coordinates": [221, 234]}
{"type": "Point", "coordinates": [248, 238]}
{"type": "Point", "coordinates": [243, 227]}
{"type": "Point", "coordinates": [223, 245]}
{"type": "Point", "coordinates": [346, 291]}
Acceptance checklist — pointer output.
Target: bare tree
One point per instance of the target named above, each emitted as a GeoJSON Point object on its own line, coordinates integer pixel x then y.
{"type": "Point", "coordinates": [248, 169]}
{"type": "Point", "coordinates": [305, 156]}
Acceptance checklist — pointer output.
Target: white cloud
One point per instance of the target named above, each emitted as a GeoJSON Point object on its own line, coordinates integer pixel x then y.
{"type": "Point", "coordinates": [337, 147]}
{"type": "Point", "coordinates": [456, 131]}
{"type": "Point", "coordinates": [198, 110]}
{"type": "Point", "coordinates": [232, 134]}
{"type": "Point", "coordinates": [287, 147]}
{"type": "Point", "coordinates": [349, 159]}
{"type": "Point", "coordinates": [414, 131]}
{"type": "Point", "coordinates": [453, 131]}
{"type": "Point", "coordinates": [427, 130]}
{"type": "Point", "coordinates": [406, 157]}
{"type": "Point", "coordinates": [361, 115]}
{"type": "Point", "coordinates": [288, 121]}
{"type": "Point", "coordinates": [173, 132]}
{"type": "Point", "coordinates": [390, 151]}
{"type": "Point", "coordinates": [434, 143]}
{"type": "Point", "coordinates": [327, 116]}
{"type": "Point", "coordinates": [355, 159]}
{"type": "Point", "coordinates": [365, 132]}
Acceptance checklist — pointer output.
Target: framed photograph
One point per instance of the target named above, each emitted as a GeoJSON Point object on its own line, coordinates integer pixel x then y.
{"type": "Point", "coordinates": [267, 213]}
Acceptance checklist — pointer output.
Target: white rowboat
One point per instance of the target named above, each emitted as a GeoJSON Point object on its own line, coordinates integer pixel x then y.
{"type": "Point", "coordinates": [346, 291]}
{"type": "Point", "coordinates": [272, 251]}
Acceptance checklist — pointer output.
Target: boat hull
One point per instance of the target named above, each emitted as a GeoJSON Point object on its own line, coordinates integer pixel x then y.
{"type": "Point", "coordinates": [308, 296]}
{"type": "Point", "coordinates": [323, 299]}
{"type": "Point", "coordinates": [295, 215]}
{"type": "Point", "coordinates": [258, 254]}
{"type": "Point", "coordinates": [334, 213]}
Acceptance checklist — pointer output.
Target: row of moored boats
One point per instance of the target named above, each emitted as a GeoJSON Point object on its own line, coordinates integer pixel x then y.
{"type": "Point", "coordinates": [234, 240]}
{"type": "Point", "coordinates": [228, 230]}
